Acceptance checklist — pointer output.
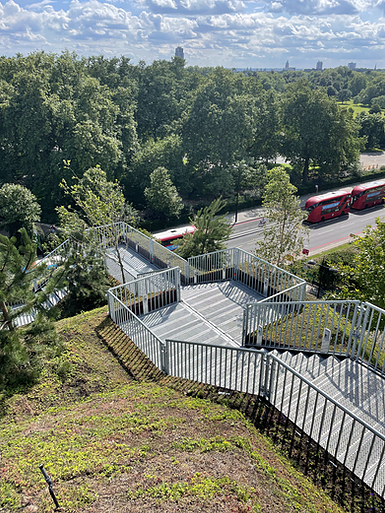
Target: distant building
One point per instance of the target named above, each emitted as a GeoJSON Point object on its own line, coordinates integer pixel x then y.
{"type": "Point", "coordinates": [352, 65]}
{"type": "Point", "coordinates": [287, 67]}
{"type": "Point", "coordinates": [179, 52]}
{"type": "Point", "coordinates": [319, 66]}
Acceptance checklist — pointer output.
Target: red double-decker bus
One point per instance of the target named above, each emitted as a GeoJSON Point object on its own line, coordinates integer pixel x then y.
{"type": "Point", "coordinates": [368, 194]}
{"type": "Point", "coordinates": [166, 238]}
{"type": "Point", "coordinates": [327, 206]}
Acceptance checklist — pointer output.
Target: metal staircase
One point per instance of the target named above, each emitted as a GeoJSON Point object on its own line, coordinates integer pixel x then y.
{"type": "Point", "coordinates": [339, 404]}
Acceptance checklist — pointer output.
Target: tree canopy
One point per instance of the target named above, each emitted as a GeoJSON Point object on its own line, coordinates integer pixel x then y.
{"type": "Point", "coordinates": [18, 208]}
{"type": "Point", "coordinates": [98, 202]}
{"type": "Point", "coordinates": [316, 131]}
{"type": "Point", "coordinates": [162, 195]}
{"type": "Point", "coordinates": [364, 277]}
{"type": "Point", "coordinates": [195, 122]}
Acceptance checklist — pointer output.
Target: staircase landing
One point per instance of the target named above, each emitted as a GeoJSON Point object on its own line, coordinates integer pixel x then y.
{"type": "Point", "coordinates": [211, 313]}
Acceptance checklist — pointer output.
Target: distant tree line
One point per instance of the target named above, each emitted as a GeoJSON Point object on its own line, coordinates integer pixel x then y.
{"type": "Point", "coordinates": [169, 130]}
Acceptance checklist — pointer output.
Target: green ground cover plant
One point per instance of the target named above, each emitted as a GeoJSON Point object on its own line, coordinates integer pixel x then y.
{"type": "Point", "coordinates": [119, 436]}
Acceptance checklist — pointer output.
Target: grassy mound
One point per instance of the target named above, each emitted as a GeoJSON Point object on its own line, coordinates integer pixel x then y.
{"type": "Point", "coordinates": [118, 437]}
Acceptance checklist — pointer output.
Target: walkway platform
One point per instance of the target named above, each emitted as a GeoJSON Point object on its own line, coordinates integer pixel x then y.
{"type": "Point", "coordinates": [211, 313]}
{"type": "Point", "coordinates": [134, 264]}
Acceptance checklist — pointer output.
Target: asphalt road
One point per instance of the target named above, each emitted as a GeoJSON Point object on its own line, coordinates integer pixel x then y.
{"type": "Point", "coordinates": [322, 235]}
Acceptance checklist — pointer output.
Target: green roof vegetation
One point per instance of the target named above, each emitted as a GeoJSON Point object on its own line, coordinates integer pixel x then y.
{"type": "Point", "coordinates": [116, 435]}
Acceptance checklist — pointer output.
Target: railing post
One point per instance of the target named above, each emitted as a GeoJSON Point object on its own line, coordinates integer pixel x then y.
{"type": "Point", "coordinates": [357, 329]}
{"type": "Point", "coordinates": [302, 291]}
{"type": "Point", "coordinates": [151, 249]}
{"type": "Point", "coordinates": [236, 264]}
{"type": "Point", "coordinates": [145, 304]}
{"type": "Point", "coordinates": [245, 324]}
{"type": "Point", "coordinates": [187, 272]}
{"type": "Point", "coordinates": [362, 330]}
{"type": "Point", "coordinates": [164, 357]}
{"type": "Point", "coordinates": [325, 344]}
{"type": "Point", "coordinates": [111, 308]}
{"type": "Point", "coordinates": [177, 284]}
{"type": "Point", "coordinates": [259, 335]}
{"type": "Point", "coordinates": [266, 377]}
{"type": "Point", "coordinates": [265, 285]}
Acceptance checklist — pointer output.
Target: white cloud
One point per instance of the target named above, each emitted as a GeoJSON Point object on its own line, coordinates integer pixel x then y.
{"type": "Point", "coordinates": [214, 32]}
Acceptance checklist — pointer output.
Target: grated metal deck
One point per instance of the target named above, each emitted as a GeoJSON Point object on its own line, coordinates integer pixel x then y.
{"type": "Point", "coordinates": [211, 313]}
{"type": "Point", "coordinates": [134, 264]}
{"type": "Point", "coordinates": [52, 300]}
{"type": "Point", "coordinates": [354, 387]}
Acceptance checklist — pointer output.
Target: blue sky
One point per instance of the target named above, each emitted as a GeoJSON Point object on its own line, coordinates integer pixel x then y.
{"type": "Point", "coordinates": [230, 33]}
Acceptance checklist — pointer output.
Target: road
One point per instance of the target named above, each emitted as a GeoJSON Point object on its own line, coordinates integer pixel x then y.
{"type": "Point", "coordinates": [322, 235]}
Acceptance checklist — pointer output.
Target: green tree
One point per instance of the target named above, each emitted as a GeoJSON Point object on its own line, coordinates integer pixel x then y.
{"type": "Point", "coordinates": [99, 202]}
{"type": "Point", "coordinates": [357, 83]}
{"type": "Point", "coordinates": [219, 127]}
{"type": "Point", "coordinates": [267, 127]}
{"type": "Point", "coordinates": [166, 152]}
{"type": "Point", "coordinates": [163, 94]}
{"type": "Point", "coordinates": [372, 128]}
{"type": "Point", "coordinates": [364, 277]}
{"type": "Point", "coordinates": [212, 231]}
{"type": "Point", "coordinates": [284, 233]}
{"type": "Point", "coordinates": [344, 95]}
{"type": "Point", "coordinates": [18, 209]}
{"type": "Point", "coordinates": [51, 110]}
{"type": "Point", "coordinates": [87, 276]}
{"type": "Point", "coordinates": [316, 131]}
{"type": "Point", "coordinates": [22, 350]}
{"type": "Point", "coordinates": [162, 195]}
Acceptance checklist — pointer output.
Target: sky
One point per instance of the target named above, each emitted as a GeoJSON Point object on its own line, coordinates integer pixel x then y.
{"type": "Point", "coordinates": [230, 33]}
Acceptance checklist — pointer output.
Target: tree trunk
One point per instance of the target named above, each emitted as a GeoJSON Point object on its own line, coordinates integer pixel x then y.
{"type": "Point", "coordinates": [120, 262]}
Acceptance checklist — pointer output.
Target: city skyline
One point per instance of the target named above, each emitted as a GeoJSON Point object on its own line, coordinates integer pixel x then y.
{"type": "Point", "coordinates": [229, 33]}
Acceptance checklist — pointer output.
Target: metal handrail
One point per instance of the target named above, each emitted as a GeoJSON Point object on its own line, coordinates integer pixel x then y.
{"type": "Point", "coordinates": [326, 396]}
{"type": "Point", "coordinates": [131, 315]}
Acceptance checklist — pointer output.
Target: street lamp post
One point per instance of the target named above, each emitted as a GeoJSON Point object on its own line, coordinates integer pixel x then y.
{"type": "Point", "coordinates": [239, 168]}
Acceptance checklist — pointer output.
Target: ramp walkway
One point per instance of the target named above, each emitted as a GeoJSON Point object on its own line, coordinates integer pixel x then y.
{"type": "Point", "coordinates": [26, 318]}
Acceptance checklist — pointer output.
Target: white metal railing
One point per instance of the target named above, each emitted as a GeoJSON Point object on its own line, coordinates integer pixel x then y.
{"type": "Point", "coordinates": [237, 264]}
{"type": "Point", "coordinates": [313, 326]}
{"type": "Point", "coordinates": [147, 247]}
{"type": "Point", "coordinates": [345, 328]}
{"type": "Point", "coordinates": [59, 254]}
{"type": "Point", "coordinates": [369, 337]}
{"type": "Point", "coordinates": [294, 293]}
{"type": "Point", "coordinates": [150, 292]}
{"type": "Point", "coordinates": [137, 331]}
{"type": "Point", "coordinates": [341, 432]}
{"type": "Point", "coordinates": [221, 366]}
